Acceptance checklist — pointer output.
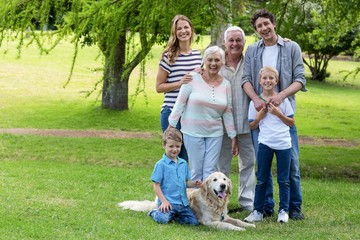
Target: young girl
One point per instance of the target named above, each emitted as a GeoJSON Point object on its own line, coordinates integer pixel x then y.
{"type": "Point", "coordinates": [274, 138]}
{"type": "Point", "coordinates": [177, 60]}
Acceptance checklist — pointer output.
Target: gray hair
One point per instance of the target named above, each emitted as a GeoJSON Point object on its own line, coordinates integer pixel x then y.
{"type": "Point", "coordinates": [234, 28]}
{"type": "Point", "coordinates": [214, 49]}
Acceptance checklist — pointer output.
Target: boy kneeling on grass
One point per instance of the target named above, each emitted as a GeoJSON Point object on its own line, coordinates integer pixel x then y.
{"type": "Point", "coordinates": [171, 177]}
{"type": "Point", "coordinates": [274, 138]}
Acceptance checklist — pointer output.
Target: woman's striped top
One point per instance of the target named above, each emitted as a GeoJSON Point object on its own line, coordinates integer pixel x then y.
{"type": "Point", "coordinates": [184, 64]}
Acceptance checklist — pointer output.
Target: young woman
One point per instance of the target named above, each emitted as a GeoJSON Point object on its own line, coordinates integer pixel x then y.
{"type": "Point", "coordinates": [177, 61]}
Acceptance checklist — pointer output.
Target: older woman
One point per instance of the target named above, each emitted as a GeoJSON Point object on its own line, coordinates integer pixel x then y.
{"type": "Point", "coordinates": [203, 104]}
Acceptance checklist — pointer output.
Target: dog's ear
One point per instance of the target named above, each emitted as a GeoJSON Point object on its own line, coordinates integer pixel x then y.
{"type": "Point", "coordinates": [230, 186]}
{"type": "Point", "coordinates": [206, 184]}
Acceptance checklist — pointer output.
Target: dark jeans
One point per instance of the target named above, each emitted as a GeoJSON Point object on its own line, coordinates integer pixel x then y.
{"type": "Point", "coordinates": [164, 121]}
{"type": "Point", "coordinates": [264, 160]}
{"type": "Point", "coordinates": [295, 186]}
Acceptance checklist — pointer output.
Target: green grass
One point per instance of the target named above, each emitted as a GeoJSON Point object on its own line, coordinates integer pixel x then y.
{"type": "Point", "coordinates": [329, 111]}
{"type": "Point", "coordinates": [68, 188]}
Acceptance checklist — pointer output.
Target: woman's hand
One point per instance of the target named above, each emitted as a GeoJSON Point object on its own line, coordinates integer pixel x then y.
{"type": "Point", "coordinates": [185, 79]}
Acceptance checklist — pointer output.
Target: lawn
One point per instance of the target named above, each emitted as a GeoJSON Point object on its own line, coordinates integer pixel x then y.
{"type": "Point", "coordinates": [68, 188]}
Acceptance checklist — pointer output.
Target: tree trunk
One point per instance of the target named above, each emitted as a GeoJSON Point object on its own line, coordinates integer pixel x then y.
{"type": "Point", "coordinates": [115, 97]}
{"type": "Point", "coordinates": [115, 86]}
{"type": "Point", "coordinates": [317, 67]}
{"type": "Point", "coordinates": [217, 30]}
{"type": "Point", "coordinates": [217, 35]}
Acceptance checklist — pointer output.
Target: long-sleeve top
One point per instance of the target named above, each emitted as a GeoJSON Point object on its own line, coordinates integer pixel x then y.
{"type": "Point", "coordinates": [203, 108]}
{"type": "Point", "coordinates": [289, 65]}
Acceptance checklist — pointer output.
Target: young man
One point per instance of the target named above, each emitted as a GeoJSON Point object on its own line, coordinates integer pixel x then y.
{"type": "Point", "coordinates": [286, 57]}
{"type": "Point", "coordinates": [234, 42]}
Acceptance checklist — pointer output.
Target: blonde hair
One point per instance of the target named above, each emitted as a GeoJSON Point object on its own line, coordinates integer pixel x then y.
{"type": "Point", "coordinates": [172, 47]}
{"type": "Point", "coordinates": [270, 69]}
{"type": "Point", "coordinates": [171, 134]}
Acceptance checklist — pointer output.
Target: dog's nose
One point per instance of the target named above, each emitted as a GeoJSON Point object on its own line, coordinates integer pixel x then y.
{"type": "Point", "coordinates": [222, 186]}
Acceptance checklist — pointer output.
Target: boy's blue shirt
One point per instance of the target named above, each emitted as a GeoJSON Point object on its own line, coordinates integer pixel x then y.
{"type": "Point", "coordinates": [172, 178]}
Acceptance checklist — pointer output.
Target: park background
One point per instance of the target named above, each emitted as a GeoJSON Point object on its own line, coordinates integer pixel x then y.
{"type": "Point", "coordinates": [69, 186]}
{"type": "Point", "coordinates": [66, 184]}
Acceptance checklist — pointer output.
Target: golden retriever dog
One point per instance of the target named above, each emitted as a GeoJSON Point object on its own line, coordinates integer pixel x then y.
{"type": "Point", "coordinates": [208, 202]}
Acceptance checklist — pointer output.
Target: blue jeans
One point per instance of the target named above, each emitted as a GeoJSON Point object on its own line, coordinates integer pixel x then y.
{"type": "Point", "coordinates": [264, 160]}
{"type": "Point", "coordinates": [295, 186]}
{"type": "Point", "coordinates": [164, 121]}
{"type": "Point", "coordinates": [178, 213]}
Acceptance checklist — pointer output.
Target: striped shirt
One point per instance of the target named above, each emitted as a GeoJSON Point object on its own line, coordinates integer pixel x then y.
{"type": "Point", "coordinates": [184, 64]}
{"type": "Point", "coordinates": [203, 108]}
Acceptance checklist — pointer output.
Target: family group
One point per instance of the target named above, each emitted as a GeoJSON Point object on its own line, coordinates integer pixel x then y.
{"type": "Point", "coordinates": [228, 103]}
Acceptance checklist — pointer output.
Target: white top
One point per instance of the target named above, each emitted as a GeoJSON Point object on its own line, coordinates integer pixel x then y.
{"type": "Point", "coordinates": [274, 133]}
{"type": "Point", "coordinates": [270, 56]}
{"type": "Point", "coordinates": [203, 108]}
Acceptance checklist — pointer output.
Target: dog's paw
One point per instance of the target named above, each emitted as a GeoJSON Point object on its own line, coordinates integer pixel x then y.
{"type": "Point", "coordinates": [252, 225]}
{"type": "Point", "coordinates": [235, 228]}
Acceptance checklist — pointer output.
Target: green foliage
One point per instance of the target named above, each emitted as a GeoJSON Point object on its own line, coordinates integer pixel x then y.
{"type": "Point", "coordinates": [68, 188]}
{"type": "Point", "coordinates": [323, 29]}
{"type": "Point", "coordinates": [110, 25]}
{"type": "Point", "coordinates": [242, 13]}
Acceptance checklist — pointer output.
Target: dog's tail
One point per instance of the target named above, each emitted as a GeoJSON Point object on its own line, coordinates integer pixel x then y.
{"type": "Point", "coordinates": [138, 206]}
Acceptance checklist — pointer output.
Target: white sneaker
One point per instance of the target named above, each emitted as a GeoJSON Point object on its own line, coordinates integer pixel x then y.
{"type": "Point", "coordinates": [254, 216]}
{"type": "Point", "coordinates": [283, 217]}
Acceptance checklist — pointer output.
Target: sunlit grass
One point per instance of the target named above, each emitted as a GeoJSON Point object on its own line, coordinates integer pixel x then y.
{"type": "Point", "coordinates": [68, 188]}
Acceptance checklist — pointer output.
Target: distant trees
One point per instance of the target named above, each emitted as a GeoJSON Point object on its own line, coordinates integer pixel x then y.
{"type": "Point", "coordinates": [323, 29]}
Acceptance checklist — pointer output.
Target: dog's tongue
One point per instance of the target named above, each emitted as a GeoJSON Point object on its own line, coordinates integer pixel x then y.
{"type": "Point", "coordinates": [221, 194]}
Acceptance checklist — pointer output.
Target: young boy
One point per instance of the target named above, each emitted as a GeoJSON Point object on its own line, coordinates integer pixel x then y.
{"type": "Point", "coordinates": [274, 137]}
{"type": "Point", "coordinates": [171, 176]}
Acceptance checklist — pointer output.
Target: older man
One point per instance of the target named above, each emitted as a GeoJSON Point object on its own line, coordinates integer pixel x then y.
{"type": "Point", "coordinates": [234, 41]}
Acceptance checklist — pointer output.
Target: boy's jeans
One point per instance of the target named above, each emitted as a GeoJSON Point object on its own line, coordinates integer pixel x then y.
{"type": "Point", "coordinates": [295, 187]}
{"type": "Point", "coordinates": [264, 161]}
{"type": "Point", "coordinates": [178, 213]}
